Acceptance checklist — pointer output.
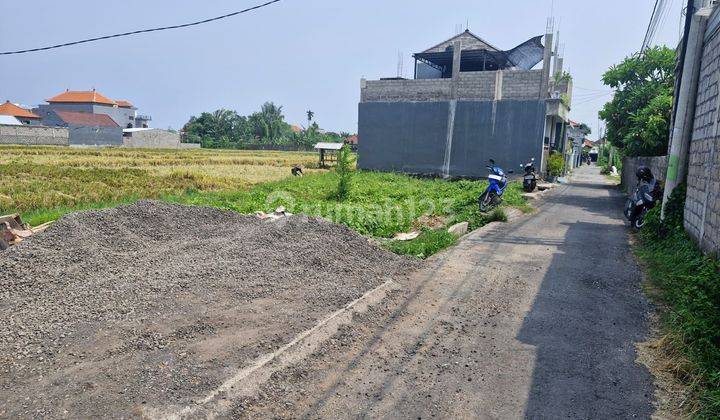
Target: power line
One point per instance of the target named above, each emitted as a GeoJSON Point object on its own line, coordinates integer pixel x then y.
{"type": "Point", "coordinates": [141, 31]}
{"type": "Point", "coordinates": [655, 21]}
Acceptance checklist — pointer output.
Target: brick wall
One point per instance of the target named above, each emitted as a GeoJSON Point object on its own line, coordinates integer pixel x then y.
{"type": "Point", "coordinates": [702, 208]}
{"type": "Point", "coordinates": [33, 135]}
{"type": "Point", "coordinates": [516, 85]}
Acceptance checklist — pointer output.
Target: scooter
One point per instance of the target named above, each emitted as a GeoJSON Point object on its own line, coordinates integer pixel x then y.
{"type": "Point", "coordinates": [492, 197]}
{"type": "Point", "coordinates": [530, 178]}
{"type": "Point", "coordinates": [645, 197]}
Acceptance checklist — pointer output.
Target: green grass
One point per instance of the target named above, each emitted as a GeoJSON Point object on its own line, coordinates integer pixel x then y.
{"type": "Point", "coordinates": [688, 283]}
{"type": "Point", "coordinates": [378, 204]}
{"type": "Point", "coordinates": [432, 241]}
{"type": "Point", "coordinates": [428, 243]}
{"type": "Point", "coordinates": [44, 183]}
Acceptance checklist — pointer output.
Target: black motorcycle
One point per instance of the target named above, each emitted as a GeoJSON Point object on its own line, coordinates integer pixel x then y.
{"type": "Point", "coordinates": [645, 197]}
{"type": "Point", "coordinates": [530, 177]}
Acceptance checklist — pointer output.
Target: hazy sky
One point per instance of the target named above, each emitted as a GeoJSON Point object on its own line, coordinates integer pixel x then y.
{"type": "Point", "coordinates": [302, 54]}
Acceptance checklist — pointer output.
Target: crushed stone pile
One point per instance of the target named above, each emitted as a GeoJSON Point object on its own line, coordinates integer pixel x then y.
{"type": "Point", "coordinates": [122, 291]}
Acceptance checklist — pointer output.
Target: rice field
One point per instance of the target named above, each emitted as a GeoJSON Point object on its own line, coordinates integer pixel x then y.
{"type": "Point", "coordinates": [44, 178]}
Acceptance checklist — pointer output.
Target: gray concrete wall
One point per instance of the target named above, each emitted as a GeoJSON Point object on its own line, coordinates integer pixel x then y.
{"type": "Point", "coordinates": [702, 207]}
{"type": "Point", "coordinates": [152, 139]}
{"type": "Point", "coordinates": [484, 85]}
{"type": "Point", "coordinates": [33, 135]}
{"type": "Point", "coordinates": [657, 164]}
{"type": "Point", "coordinates": [96, 136]}
{"type": "Point", "coordinates": [413, 137]}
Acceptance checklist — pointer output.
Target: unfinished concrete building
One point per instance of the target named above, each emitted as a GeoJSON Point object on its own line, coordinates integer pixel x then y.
{"type": "Point", "coordinates": [468, 102]}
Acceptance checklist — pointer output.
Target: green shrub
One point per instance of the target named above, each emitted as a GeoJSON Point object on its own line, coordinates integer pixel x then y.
{"type": "Point", "coordinates": [556, 163]}
{"type": "Point", "coordinates": [344, 173]}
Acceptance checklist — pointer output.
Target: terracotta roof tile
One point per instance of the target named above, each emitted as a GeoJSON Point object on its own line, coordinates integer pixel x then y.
{"type": "Point", "coordinates": [81, 96]}
{"type": "Point", "coordinates": [13, 110]}
{"type": "Point", "coordinates": [123, 103]}
{"type": "Point", "coordinates": [86, 119]}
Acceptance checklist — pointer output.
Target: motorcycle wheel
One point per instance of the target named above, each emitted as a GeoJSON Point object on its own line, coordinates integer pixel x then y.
{"type": "Point", "coordinates": [529, 187]}
{"type": "Point", "coordinates": [639, 221]}
{"type": "Point", "coordinates": [487, 201]}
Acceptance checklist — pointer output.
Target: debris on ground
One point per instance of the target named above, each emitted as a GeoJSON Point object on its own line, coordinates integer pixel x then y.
{"type": "Point", "coordinates": [279, 213]}
{"type": "Point", "coordinates": [155, 304]}
{"type": "Point", "coordinates": [542, 186]}
{"type": "Point", "coordinates": [431, 222]}
{"type": "Point", "coordinates": [13, 230]}
{"type": "Point", "coordinates": [409, 236]}
{"type": "Point", "coordinates": [459, 229]}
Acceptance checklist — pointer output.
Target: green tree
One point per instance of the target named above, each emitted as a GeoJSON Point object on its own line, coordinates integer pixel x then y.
{"type": "Point", "coordinates": [638, 116]}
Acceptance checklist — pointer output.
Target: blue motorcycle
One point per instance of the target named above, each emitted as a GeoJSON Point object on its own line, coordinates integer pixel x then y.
{"type": "Point", "coordinates": [492, 197]}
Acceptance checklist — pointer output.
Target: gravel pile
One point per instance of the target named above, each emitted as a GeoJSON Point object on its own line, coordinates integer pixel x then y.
{"type": "Point", "coordinates": [109, 309]}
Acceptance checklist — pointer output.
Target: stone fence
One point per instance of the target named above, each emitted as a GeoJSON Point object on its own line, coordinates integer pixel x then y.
{"type": "Point", "coordinates": [34, 135]}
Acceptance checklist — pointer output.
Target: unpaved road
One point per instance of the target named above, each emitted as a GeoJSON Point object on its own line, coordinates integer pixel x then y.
{"type": "Point", "coordinates": [535, 319]}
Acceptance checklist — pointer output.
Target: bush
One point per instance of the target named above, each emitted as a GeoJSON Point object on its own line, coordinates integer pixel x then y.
{"type": "Point", "coordinates": [344, 173]}
{"type": "Point", "coordinates": [556, 163]}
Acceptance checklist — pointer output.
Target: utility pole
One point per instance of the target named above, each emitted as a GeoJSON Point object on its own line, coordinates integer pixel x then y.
{"type": "Point", "coordinates": [685, 96]}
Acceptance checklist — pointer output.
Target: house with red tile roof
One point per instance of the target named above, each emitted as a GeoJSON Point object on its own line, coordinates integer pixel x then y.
{"type": "Point", "coordinates": [21, 114]}
{"type": "Point", "coordinates": [122, 111]}
{"type": "Point", "coordinates": [84, 128]}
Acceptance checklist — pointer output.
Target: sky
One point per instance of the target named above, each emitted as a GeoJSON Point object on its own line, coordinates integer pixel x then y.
{"type": "Point", "coordinates": [301, 54]}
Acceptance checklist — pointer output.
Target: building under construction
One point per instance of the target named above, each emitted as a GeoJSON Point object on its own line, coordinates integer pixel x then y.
{"type": "Point", "coordinates": [468, 102]}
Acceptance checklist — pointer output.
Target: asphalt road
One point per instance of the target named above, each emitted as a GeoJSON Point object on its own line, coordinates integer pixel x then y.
{"type": "Point", "coordinates": [534, 319]}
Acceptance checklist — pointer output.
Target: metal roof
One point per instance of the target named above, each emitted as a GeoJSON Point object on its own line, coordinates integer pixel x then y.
{"type": "Point", "coordinates": [329, 146]}
{"type": "Point", "coordinates": [9, 120]}
{"type": "Point", "coordinates": [525, 56]}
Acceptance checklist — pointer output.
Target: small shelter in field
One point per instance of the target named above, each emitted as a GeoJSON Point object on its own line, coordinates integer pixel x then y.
{"type": "Point", "coordinates": [328, 152]}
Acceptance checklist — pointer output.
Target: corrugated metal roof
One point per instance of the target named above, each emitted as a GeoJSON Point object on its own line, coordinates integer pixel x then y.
{"type": "Point", "coordinates": [329, 146]}
{"type": "Point", "coordinates": [9, 120]}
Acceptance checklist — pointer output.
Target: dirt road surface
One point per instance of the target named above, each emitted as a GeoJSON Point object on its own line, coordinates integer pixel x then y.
{"type": "Point", "coordinates": [535, 319]}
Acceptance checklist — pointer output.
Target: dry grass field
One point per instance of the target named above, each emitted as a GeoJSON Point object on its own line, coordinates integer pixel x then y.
{"type": "Point", "coordinates": [41, 179]}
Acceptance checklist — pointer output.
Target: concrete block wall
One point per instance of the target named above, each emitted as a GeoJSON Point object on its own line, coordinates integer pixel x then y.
{"type": "Point", "coordinates": [34, 135]}
{"type": "Point", "coordinates": [516, 85]}
{"type": "Point", "coordinates": [522, 85]}
{"type": "Point", "coordinates": [152, 139]}
{"type": "Point", "coordinates": [702, 207]}
{"type": "Point", "coordinates": [657, 164]}
{"type": "Point", "coordinates": [406, 90]}
{"type": "Point", "coordinates": [477, 85]}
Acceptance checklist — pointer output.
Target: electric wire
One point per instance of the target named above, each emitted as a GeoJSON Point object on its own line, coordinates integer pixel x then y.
{"type": "Point", "coordinates": [141, 31]}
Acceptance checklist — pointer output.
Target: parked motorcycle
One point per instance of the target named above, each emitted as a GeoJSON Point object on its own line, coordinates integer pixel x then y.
{"type": "Point", "coordinates": [645, 197]}
{"type": "Point", "coordinates": [530, 178]}
{"type": "Point", "coordinates": [492, 197]}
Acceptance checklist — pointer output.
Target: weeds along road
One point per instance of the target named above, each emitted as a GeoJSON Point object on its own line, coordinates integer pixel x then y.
{"type": "Point", "coordinates": [535, 319]}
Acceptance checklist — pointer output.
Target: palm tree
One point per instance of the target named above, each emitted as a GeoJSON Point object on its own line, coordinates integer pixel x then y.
{"type": "Point", "coordinates": [310, 116]}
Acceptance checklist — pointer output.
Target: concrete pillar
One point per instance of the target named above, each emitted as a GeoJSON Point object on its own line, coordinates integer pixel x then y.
{"type": "Point", "coordinates": [498, 85]}
{"type": "Point", "coordinates": [685, 114]}
{"type": "Point", "coordinates": [457, 60]}
{"type": "Point", "coordinates": [547, 61]}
